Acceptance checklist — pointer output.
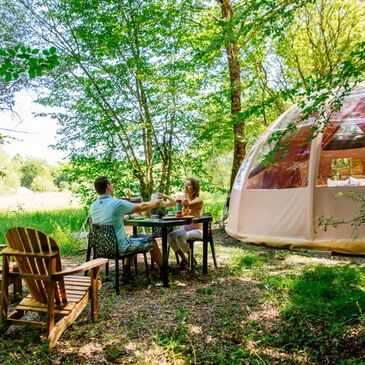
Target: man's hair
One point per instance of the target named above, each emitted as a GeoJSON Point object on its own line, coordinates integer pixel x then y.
{"type": "Point", "coordinates": [100, 184]}
{"type": "Point", "coordinates": [196, 186]}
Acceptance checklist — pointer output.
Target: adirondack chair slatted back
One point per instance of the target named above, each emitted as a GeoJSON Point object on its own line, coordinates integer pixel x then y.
{"type": "Point", "coordinates": [29, 240]}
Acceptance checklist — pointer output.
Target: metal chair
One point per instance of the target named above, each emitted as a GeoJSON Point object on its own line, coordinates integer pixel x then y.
{"type": "Point", "coordinates": [103, 242]}
{"type": "Point", "coordinates": [211, 243]}
{"type": "Point", "coordinates": [191, 259]}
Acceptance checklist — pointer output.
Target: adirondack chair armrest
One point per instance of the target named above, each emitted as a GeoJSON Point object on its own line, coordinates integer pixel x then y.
{"type": "Point", "coordinates": [84, 267]}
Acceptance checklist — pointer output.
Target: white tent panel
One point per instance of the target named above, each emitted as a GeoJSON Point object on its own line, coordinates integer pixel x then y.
{"type": "Point", "coordinates": [279, 204]}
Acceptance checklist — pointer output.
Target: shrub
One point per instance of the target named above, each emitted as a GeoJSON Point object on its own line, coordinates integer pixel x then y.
{"type": "Point", "coordinates": [42, 184]}
{"type": "Point", "coordinates": [64, 185]}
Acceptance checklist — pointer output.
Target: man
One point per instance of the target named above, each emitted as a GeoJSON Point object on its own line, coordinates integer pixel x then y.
{"type": "Point", "coordinates": [111, 211]}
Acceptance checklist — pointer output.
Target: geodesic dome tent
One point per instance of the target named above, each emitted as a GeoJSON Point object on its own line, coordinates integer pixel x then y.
{"type": "Point", "coordinates": [278, 204]}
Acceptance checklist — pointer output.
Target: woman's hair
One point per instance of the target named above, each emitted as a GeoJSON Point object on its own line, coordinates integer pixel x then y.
{"type": "Point", "coordinates": [196, 186]}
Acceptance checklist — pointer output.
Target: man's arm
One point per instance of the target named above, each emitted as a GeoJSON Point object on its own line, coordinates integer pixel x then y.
{"type": "Point", "coordinates": [171, 202]}
{"type": "Point", "coordinates": [142, 207]}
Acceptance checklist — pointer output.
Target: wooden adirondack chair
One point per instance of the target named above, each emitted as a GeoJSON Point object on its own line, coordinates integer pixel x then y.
{"type": "Point", "coordinates": [52, 291]}
{"type": "Point", "coordinates": [13, 280]}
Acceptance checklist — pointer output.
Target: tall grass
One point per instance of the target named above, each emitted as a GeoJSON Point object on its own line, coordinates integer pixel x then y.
{"type": "Point", "coordinates": [59, 224]}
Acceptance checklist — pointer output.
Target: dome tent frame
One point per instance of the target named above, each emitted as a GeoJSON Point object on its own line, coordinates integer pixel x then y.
{"type": "Point", "coordinates": [279, 206]}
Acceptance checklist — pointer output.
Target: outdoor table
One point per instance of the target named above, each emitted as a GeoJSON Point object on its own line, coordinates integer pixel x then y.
{"type": "Point", "coordinates": [164, 224]}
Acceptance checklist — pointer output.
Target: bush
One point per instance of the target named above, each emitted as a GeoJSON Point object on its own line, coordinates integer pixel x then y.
{"type": "Point", "coordinates": [42, 184]}
{"type": "Point", "coordinates": [74, 186]}
{"type": "Point", "coordinates": [64, 185]}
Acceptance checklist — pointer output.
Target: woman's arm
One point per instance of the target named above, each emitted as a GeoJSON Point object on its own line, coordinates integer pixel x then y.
{"type": "Point", "coordinates": [196, 203]}
{"type": "Point", "coordinates": [171, 202]}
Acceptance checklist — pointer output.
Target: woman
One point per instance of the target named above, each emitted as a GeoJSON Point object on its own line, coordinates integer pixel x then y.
{"type": "Point", "coordinates": [178, 239]}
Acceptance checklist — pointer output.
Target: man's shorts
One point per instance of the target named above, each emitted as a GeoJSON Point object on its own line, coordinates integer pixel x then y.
{"type": "Point", "coordinates": [135, 244]}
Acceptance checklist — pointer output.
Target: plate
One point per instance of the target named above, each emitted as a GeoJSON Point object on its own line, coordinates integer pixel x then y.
{"type": "Point", "coordinates": [173, 217]}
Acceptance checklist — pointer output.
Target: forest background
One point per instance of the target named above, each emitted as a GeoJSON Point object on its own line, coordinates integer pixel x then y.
{"type": "Point", "coordinates": [150, 92]}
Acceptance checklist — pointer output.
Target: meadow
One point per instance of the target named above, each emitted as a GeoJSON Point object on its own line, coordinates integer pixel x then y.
{"type": "Point", "coordinates": [58, 223]}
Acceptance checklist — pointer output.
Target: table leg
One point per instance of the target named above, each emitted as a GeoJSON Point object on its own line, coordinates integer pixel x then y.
{"type": "Point", "coordinates": [134, 231]}
{"type": "Point", "coordinates": [205, 248]}
{"type": "Point", "coordinates": [165, 274]}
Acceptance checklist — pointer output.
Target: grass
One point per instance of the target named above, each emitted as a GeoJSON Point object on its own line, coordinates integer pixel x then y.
{"type": "Point", "coordinates": [59, 224]}
{"type": "Point", "coordinates": [261, 306]}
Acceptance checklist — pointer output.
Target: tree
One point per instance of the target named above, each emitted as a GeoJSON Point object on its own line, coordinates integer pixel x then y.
{"type": "Point", "coordinates": [9, 174]}
{"type": "Point", "coordinates": [320, 38]}
{"type": "Point", "coordinates": [128, 79]}
{"type": "Point", "coordinates": [17, 59]}
{"type": "Point", "coordinates": [31, 169]}
{"type": "Point", "coordinates": [243, 25]}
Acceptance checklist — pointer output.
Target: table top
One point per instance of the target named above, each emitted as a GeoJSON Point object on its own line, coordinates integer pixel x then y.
{"type": "Point", "coordinates": [153, 222]}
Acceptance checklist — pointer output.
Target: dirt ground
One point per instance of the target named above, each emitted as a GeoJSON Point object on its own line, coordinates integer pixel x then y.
{"type": "Point", "coordinates": [38, 201]}
{"type": "Point", "coordinates": [233, 315]}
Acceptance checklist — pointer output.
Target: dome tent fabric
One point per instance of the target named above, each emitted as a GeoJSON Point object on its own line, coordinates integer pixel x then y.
{"type": "Point", "coordinates": [279, 204]}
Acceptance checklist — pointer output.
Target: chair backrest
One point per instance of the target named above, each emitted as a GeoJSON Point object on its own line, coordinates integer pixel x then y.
{"type": "Point", "coordinates": [37, 255]}
{"type": "Point", "coordinates": [103, 241]}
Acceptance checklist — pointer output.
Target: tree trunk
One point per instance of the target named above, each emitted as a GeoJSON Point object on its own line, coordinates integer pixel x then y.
{"type": "Point", "coordinates": [232, 51]}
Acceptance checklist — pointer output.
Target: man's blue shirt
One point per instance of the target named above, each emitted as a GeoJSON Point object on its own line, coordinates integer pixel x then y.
{"type": "Point", "coordinates": [108, 210]}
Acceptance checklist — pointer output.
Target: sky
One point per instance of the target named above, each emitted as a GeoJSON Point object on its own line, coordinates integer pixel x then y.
{"type": "Point", "coordinates": [40, 132]}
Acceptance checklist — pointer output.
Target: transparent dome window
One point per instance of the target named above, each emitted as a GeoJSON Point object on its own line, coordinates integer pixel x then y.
{"type": "Point", "coordinates": [242, 172]}
{"type": "Point", "coordinates": [342, 157]}
{"type": "Point", "coordinates": [290, 169]}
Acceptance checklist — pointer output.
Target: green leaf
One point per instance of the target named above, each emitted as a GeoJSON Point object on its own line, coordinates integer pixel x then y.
{"type": "Point", "coordinates": [35, 51]}
{"type": "Point", "coordinates": [31, 73]}
{"type": "Point", "coordinates": [39, 72]}
{"type": "Point", "coordinates": [53, 50]}
{"type": "Point", "coordinates": [11, 52]}
{"type": "Point", "coordinates": [8, 77]}
{"type": "Point", "coordinates": [45, 52]}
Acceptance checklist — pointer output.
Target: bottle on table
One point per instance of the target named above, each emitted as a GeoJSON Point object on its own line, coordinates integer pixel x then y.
{"type": "Point", "coordinates": [178, 208]}
{"type": "Point", "coordinates": [185, 204]}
